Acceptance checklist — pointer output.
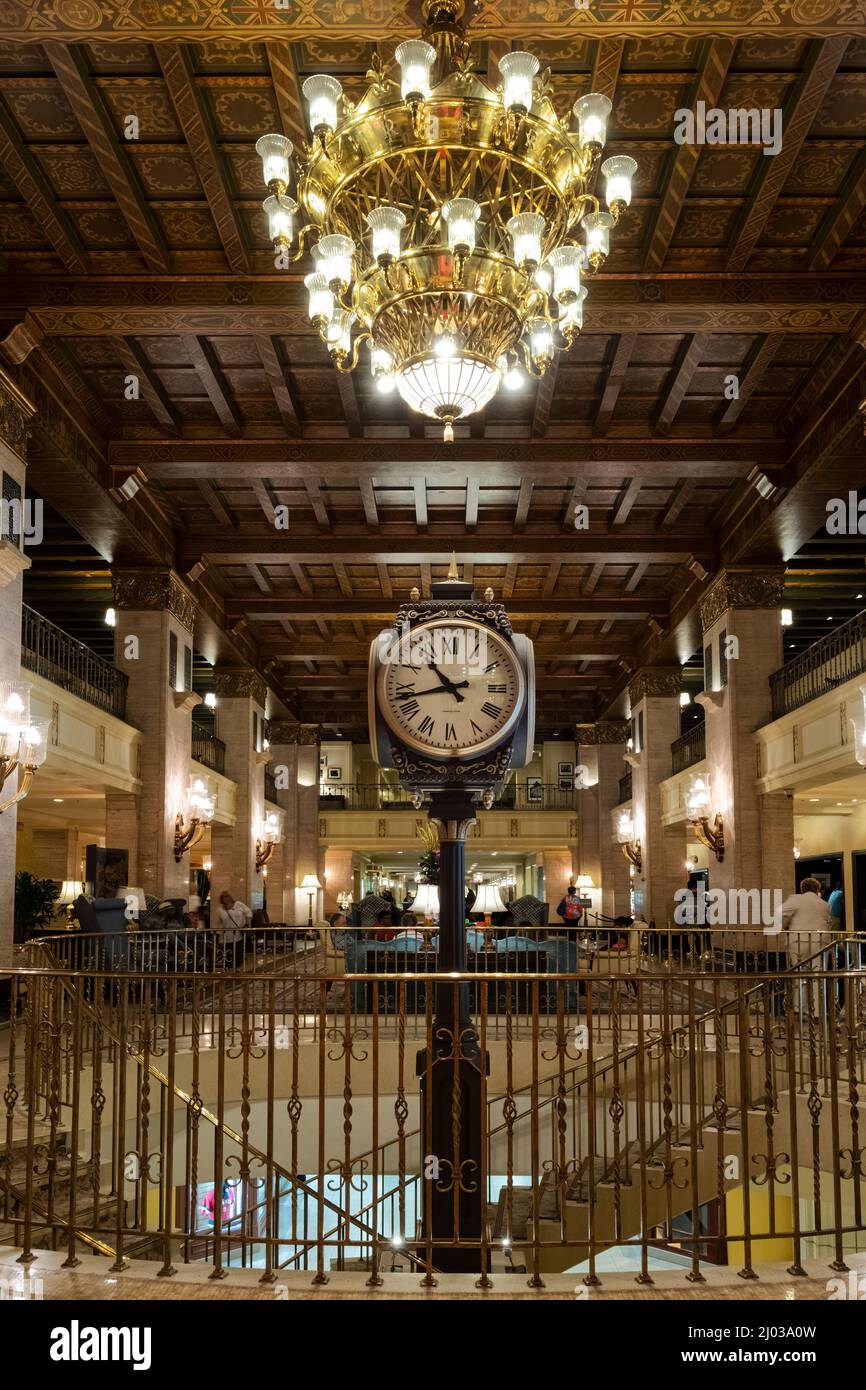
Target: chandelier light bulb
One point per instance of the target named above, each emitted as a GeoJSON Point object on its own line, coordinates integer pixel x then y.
{"type": "Point", "coordinates": [416, 58]}
{"type": "Point", "coordinates": [526, 231]}
{"type": "Point", "coordinates": [540, 341]}
{"type": "Point", "coordinates": [321, 305]}
{"type": "Point", "coordinates": [591, 113]}
{"type": "Point", "coordinates": [596, 228]}
{"type": "Point", "coordinates": [518, 71]}
{"type": "Point", "coordinates": [514, 378]}
{"type": "Point", "coordinates": [619, 171]}
{"type": "Point", "coordinates": [338, 334]}
{"type": "Point", "coordinates": [386, 224]}
{"type": "Point", "coordinates": [333, 256]}
{"type": "Point", "coordinates": [280, 212]}
{"type": "Point", "coordinates": [571, 319]}
{"type": "Point", "coordinates": [275, 152]}
{"type": "Point", "coordinates": [543, 278]}
{"type": "Point", "coordinates": [445, 346]}
{"type": "Point", "coordinates": [461, 215]}
{"type": "Point", "coordinates": [322, 94]}
{"type": "Point", "coordinates": [565, 262]}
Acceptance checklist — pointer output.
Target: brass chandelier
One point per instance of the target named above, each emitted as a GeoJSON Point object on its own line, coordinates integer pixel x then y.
{"type": "Point", "coordinates": [446, 211]}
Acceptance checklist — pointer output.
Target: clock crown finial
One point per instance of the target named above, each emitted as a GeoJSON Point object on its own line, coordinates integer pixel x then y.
{"type": "Point", "coordinates": [452, 568]}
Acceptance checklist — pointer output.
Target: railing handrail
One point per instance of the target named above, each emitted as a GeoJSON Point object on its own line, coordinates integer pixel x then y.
{"type": "Point", "coordinates": [689, 748]}
{"type": "Point", "coordinates": [840, 644]}
{"type": "Point", "coordinates": [71, 664]}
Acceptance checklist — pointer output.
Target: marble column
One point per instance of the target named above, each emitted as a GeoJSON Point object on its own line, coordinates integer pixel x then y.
{"type": "Point", "coordinates": [600, 749]}
{"type": "Point", "coordinates": [16, 413]}
{"type": "Point", "coordinates": [741, 621]}
{"type": "Point", "coordinates": [654, 693]}
{"type": "Point", "coordinates": [240, 723]}
{"type": "Point", "coordinates": [153, 638]}
{"type": "Point", "coordinates": [294, 761]}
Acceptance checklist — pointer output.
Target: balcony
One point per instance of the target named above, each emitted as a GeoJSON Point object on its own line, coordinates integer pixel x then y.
{"type": "Point", "coordinates": [625, 791]}
{"type": "Point", "coordinates": [270, 786]}
{"type": "Point", "coordinates": [208, 749]}
{"type": "Point", "coordinates": [837, 658]}
{"type": "Point", "coordinates": [49, 652]}
{"type": "Point", "coordinates": [689, 749]}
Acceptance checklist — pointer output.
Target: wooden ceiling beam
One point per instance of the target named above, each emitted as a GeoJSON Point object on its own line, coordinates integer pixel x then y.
{"type": "Point", "coordinates": [217, 507]}
{"type": "Point", "coordinates": [349, 402]}
{"type": "Point", "coordinates": [472, 494]}
{"type": "Point", "coordinates": [317, 502]}
{"type": "Point", "coordinates": [287, 89]}
{"type": "Point", "coordinates": [627, 497]}
{"type": "Point", "coordinates": [302, 648]}
{"type": "Point", "coordinates": [717, 55]}
{"type": "Point", "coordinates": [606, 64]}
{"type": "Point", "coordinates": [205, 363]}
{"type": "Point", "coordinates": [278, 382]}
{"type": "Point", "coordinates": [689, 358]}
{"type": "Point", "coordinates": [680, 499]}
{"type": "Point", "coordinates": [544, 400]}
{"type": "Point", "coordinates": [575, 499]}
{"type": "Point", "coordinates": [524, 501]}
{"type": "Point", "coordinates": [28, 177]}
{"type": "Point", "coordinates": [136, 364]}
{"type": "Point", "coordinates": [368, 499]}
{"type": "Point", "coordinates": [403, 550]}
{"type": "Point", "coordinates": [195, 121]}
{"type": "Point", "coordinates": [801, 107]}
{"type": "Point", "coordinates": [375, 609]}
{"type": "Point", "coordinates": [262, 580]}
{"type": "Point", "coordinates": [841, 216]}
{"type": "Point", "coordinates": [613, 385]}
{"type": "Point", "coordinates": [419, 487]}
{"type": "Point", "coordinates": [762, 357]}
{"type": "Point", "coordinates": [70, 66]}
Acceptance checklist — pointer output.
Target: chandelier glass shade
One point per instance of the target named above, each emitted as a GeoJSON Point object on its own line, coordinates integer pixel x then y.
{"type": "Point", "coordinates": [451, 218]}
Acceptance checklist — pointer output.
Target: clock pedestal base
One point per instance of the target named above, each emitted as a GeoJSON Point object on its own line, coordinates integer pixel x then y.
{"type": "Point", "coordinates": [452, 1070]}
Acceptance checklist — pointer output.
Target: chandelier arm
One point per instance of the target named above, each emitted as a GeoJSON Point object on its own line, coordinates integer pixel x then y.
{"type": "Point", "coordinates": [24, 787]}
{"type": "Point", "coordinates": [302, 236]}
{"type": "Point", "coordinates": [7, 767]}
{"type": "Point", "coordinates": [341, 366]}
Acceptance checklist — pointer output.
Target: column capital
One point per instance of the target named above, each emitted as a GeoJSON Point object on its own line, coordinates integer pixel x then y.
{"type": "Point", "coordinates": [242, 682]}
{"type": "Point", "coordinates": [282, 731]}
{"type": "Point", "coordinates": [16, 415]}
{"type": "Point", "coordinates": [655, 681]}
{"type": "Point", "coordinates": [753, 586]}
{"type": "Point", "coordinates": [602, 732]}
{"type": "Point", "coordinates": [154, 590]}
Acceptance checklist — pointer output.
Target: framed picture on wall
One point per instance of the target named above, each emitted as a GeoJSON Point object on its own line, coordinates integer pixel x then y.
{"type": "Point", "coordinates": [566, 770]}
{"type": "Point", "coordinates": [106, 871]}
{"type": "Point", "coordinates": [566, 784]}
{"type": "Point", "coordinates": [533, 789]}
{"type": "Point", "coordinates": [335, 774]}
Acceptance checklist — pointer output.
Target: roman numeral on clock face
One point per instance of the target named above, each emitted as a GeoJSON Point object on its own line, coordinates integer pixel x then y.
{"type": "Point", "coordinates": [475, 727]}
{"type": "Point", "coordinates": [450, 733]}
{"type": "Point", "coordinates": [404, 691]}
{"type": "Point", "coordinates": [492, 711]}
{"type": "Point", "coordinates": [497, 689]}
{"type": "Point", "coordinates": [492, 667]}
{"type": "Point", "coordinates": [426, 725]}
{"type": "Point", "coordinates": [410, 708]}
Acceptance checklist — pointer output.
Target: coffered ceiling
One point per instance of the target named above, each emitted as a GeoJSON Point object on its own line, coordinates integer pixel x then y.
{"type": "Point", "coordinates": [150, 258]}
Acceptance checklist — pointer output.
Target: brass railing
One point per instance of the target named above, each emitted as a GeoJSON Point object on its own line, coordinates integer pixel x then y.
{"type": "Point", "coordinates": [49, 652]}
{"type": "Point", "coordinates": [596, 1128]}
{"type": "Point", "coordinates": [689, 748]}
{"type": "Point", "coordinates": [533, 795]}
{"type": "Point", "coordinates": [834, 659]}
{"type": "Point", "coordinates": [207, 748]}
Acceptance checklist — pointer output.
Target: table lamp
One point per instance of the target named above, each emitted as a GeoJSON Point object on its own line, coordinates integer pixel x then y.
{"type": "Point", "coordinates": [427, 901]}
{"type": "Point", "coordinates": [310, 885]}
{"type": "Point", "coordinates": [72, 888]}
{"type": "Point", "coordinates": [488, 900]}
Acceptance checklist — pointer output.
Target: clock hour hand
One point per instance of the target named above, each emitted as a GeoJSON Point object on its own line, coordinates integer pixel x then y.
{"type": "Point", "coordinates": [449, 685]}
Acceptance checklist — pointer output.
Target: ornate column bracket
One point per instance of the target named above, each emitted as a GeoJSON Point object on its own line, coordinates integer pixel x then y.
{"type": "Point", "coordinates": [154, 590]}
{"type": "Point", "coordinates": [16, 416]}
{"type": "Point", "coordinates": [283, 731]}
{"type": "Point", "coordinates": [654, 681]}
{"type": "Point", "coordinates": [604, 731]}
{"type": "Point", "coordinates": [755, 587]}
{"type": "Point", "coordinates": [243, 682]}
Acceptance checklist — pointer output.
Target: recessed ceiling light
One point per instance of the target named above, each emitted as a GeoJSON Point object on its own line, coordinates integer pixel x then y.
{"type": "Point", "coordinates": [58, 798]}
{"type": "Point", "coordinates": [814, 798]}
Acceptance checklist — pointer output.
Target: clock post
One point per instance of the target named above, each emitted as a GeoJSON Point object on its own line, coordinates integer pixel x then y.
{"type": "Point", "coordinates": [451, 706]}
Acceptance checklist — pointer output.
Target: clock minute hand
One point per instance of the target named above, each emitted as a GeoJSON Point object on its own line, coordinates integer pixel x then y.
{"type": "Point", "coordinates": [434, 689]}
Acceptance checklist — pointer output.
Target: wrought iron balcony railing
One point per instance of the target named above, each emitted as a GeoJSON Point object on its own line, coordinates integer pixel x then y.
{"type": "Point", "coordinates": [207, 748]}
{"type": "Point", "coordinates": [645, 1084]}
{"type": "Point", "coordinates": [50, 652]}
{"type": "Point", "coordinates": [689, 748]}
{"type": "Point", "coordinates": [270, 786]}
{"type": "Point", "coordinates": [531, 795]}
{"type": "Point", "coordinates": [833, 660]}
{"type": "Point", "coordinates": [625, 788]}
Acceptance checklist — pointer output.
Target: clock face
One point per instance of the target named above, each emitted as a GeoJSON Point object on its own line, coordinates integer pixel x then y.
{"type": "Point", "coordinates": [451, 689]}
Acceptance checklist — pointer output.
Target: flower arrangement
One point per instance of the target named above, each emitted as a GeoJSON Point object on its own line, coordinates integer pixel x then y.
{"type": "Point", "coordinates": [428, 864]}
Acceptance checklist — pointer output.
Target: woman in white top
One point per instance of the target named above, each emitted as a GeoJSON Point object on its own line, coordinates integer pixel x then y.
{"type": "Point", "coordinates": [806, 919]}
{"type": "Point", "coordinates": [232, 917]}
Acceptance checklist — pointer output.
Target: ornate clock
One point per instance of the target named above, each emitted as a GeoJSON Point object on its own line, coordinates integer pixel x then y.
{"type": "Point", "coordinates": [451, 691]}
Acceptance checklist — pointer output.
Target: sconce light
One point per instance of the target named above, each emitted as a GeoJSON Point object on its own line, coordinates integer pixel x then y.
{"type": "Point", "coordinates": [698, 807]}
{"type": "Point", "coordinates": [630, 846]}
{"type": "Point", "coordinates": [344, 900]}
{"type": "Point", "coordinates": [268, 836]}
{"type": "Point", "coordinates": [796, 849]}
{"type": "Point", "coordinates": [189, 828]}
{"type": "Point", "coordinates": [23, 744]}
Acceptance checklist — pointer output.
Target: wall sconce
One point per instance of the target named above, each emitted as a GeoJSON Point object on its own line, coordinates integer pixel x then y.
{"type": "Point", "coordinates": [630, 846]}
{"type": "Point", "coordinates": [189, 829]}
{"type": "Point", "coordinates": [344, 900]}
{"type": "Point", "coordinates": [310, 885]}
{"type": "Point", "coordinates": [268, 836]}
{"type": "Point", "coordinates": [23, 744]}
{"type": "Point", "coordinates": [698, 807]}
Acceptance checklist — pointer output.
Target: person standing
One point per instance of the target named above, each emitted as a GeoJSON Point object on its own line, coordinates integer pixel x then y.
{"type": "Point", "coordinates": [232, 918]}
{"type": "Point", "coordinates": [806, 920]}
{"type": "Point", "coordinates": [570, 909]}
{"type": "Point", "coordinates": [836, 904]}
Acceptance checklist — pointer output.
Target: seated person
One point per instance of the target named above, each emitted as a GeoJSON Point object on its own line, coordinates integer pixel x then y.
{"type": "Point", "coordinates": [340, 937]}
{"type": "Point", "coordinates": [384, 926]}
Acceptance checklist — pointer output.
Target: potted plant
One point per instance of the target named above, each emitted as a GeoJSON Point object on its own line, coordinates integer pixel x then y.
{"type": "Point", "coordinates": [35, 904]}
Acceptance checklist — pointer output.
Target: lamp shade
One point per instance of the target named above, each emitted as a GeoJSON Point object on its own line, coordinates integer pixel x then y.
{"type": "Point", "coordinates": [310, 882]}
{"type": "Point", "coordinates": [584, 881]}
{"type": "Point", "coordinates": [71, 890]}
{"type": "Point", "coordinates": [488, 899]}
{"type": "Point", "coordinates": [427, 900]}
